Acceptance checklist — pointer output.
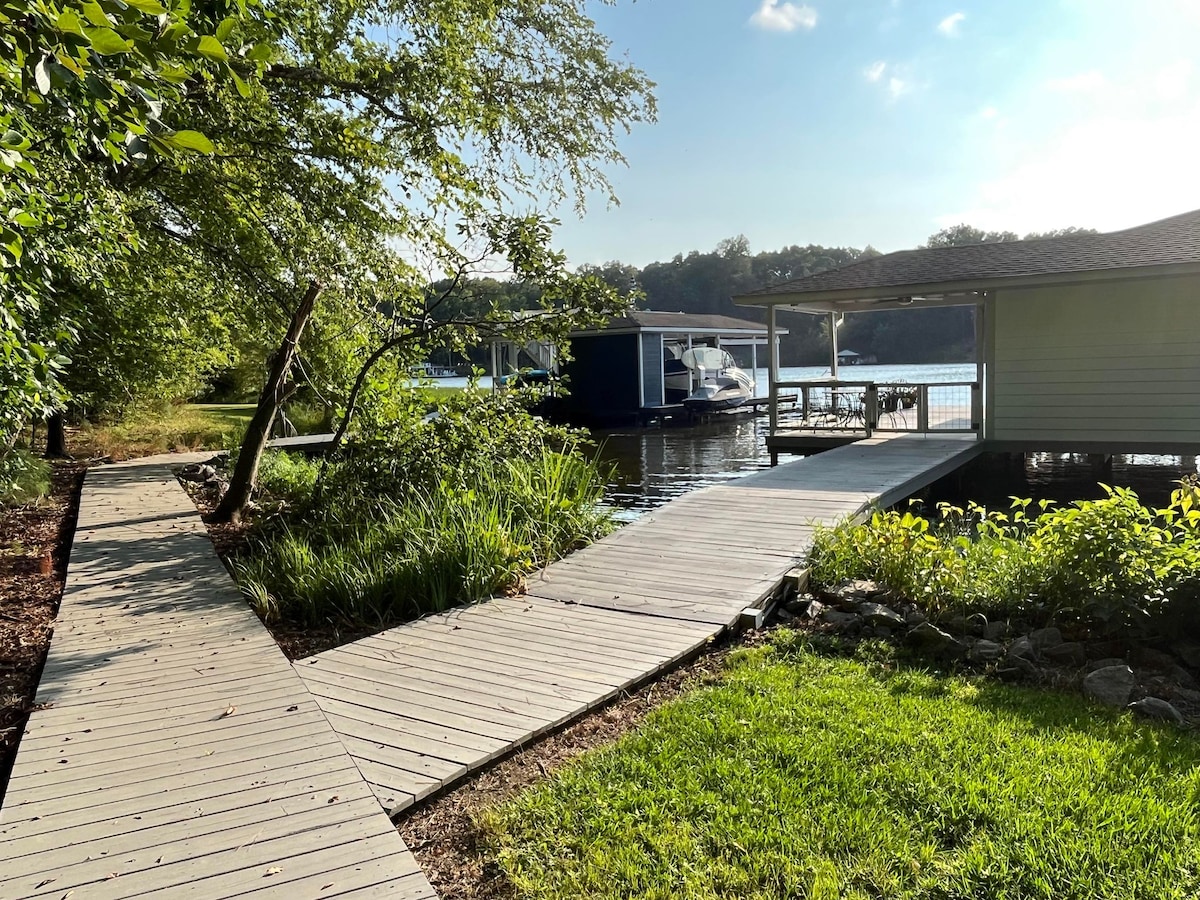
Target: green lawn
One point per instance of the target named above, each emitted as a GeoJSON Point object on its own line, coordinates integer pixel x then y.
{"type": "Point", "coordinates": [810, 776]}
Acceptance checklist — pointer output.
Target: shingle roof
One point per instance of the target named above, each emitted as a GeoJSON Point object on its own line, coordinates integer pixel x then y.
{"type": "Point", "coordinates": [1166, 242]}
{"type": "Point", "coordinates": [649, 320]}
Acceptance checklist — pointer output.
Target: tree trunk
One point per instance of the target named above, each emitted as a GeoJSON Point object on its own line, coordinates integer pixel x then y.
{"type": "Point", "coordinates": [258, 432]}
{"type": "Point", "coordinates": [56, 437]}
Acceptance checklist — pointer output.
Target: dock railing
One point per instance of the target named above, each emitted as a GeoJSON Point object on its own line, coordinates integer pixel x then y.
{"type": "Point", "coordinates": [867, 406]}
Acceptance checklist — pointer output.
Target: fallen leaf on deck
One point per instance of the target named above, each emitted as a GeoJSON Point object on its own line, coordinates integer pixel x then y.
{"type": "Point", "coordinates": [274, 870]}
{"type": "Point", "coordinates": [229, 712]}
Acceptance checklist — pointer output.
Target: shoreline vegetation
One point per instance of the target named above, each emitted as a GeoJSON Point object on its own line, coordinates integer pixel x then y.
{"type": "Point", "coordinates": [422, 514]}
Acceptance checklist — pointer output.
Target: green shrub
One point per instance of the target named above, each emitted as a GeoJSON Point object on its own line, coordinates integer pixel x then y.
{"type": "Point", "coordinates": [1111, 562]}
{"type": "Point", "coordinates": [289, 477]}
{"type": "Point", "coordinates": [407, 529]}
{"type": "Point", "coordinates": [24, 478]}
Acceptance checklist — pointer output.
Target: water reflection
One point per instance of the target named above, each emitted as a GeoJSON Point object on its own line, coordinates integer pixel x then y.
{"type": "Point", "coordinates": [654, 465]}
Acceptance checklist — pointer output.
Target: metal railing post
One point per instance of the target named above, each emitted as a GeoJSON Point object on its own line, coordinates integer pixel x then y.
{"type": "Point", "coordinates": [977, 407]}
{"type": "Point", "coordinates": [923, 409]}
{"type": "Point", "coordinates": [871, 413]}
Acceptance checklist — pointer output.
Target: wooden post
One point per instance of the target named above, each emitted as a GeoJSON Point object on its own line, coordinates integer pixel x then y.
{"type": "Point", "coordinates": [773, 370]}
{"type": "Point", "coordinates": [833, 343]}
{"type": "Point", "coordinates": [977, 404]}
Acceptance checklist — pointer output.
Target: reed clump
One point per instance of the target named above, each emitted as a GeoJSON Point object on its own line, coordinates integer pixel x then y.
{"type": "Point", "coordinates": [421, 518]}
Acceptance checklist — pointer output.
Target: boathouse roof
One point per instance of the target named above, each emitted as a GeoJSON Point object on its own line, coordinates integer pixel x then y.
{"type": "Point", "coordinates": [1154, 249]}
{"type": "Point", "coordinates": [681, 323]}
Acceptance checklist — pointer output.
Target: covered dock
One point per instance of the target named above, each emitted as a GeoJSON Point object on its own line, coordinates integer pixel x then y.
{"type": "Point", "coordinates": [1082, 344]}
{"type": "Point", "coordinates": [631, 369]}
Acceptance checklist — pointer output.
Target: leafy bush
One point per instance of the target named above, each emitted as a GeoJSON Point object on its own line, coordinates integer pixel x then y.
{"type": "Point", "coordinates": [1111, 562]}
{"type": "Point", "coordinates": [24, 478]}
{"type": "Point", "coordinates": [433, 549]}
{"type": "Point", "coordinates": [425, 515]}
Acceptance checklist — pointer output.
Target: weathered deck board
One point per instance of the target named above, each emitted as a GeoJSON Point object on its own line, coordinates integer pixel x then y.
{"type": "Point", "coordinates": [423, 704]}
{"type": "Point", "coordinates": [177, 753]}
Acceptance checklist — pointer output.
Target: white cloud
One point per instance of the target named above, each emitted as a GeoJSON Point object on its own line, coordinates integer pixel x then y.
{"type": "Point", "coordinates": [1172, 82]}
{"type": "Point", "coordinates": [988, 113]}
{"type": "Point", "coordinates": [774, 15]}
{"type": "Point", "coordinates": [1081, 83]}
{"type": "Point", "coordinates": [895, 84]}
{"type": "Point", "coordinates": [949, 25]}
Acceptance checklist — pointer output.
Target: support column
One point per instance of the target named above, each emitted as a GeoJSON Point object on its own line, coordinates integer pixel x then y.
{"type": "Point", "coordinates": [833, 343]}
{"type": "Point", "coordinates": [978, 402]}
{"type": "Point", "coordinates": [773, 369]}
{"type": "Point", "coordinates": [754, 363]}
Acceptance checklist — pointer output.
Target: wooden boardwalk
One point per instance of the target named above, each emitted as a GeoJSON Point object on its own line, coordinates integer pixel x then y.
{"type": "Point", "coordinates": [176, 753]}
{"type": "Point", "coordinates": [421, 705]}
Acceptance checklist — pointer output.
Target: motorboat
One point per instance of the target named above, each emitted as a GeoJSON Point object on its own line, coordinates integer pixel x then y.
{"type": "Point", "coordinates": [721, 384]}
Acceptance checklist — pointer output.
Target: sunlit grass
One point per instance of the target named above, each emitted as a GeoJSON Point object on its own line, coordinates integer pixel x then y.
{"type": "Point", "coordinates": [808, 776]}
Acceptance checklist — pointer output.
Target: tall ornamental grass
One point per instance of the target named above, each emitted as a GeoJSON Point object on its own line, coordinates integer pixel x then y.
{"type": "Point", "coordinates": [1112, 562]}
{"type": "Point", "coordinates": [425, 545]}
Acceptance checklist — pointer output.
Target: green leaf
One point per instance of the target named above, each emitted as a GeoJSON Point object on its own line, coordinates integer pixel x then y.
{"type": "Point", "coordinates": [149, 7]}
{"type": "Point", "coordinates": [225, 29]}
{"type": "Point", "coordinates": [242, 88]}
{"type": "Point", "coordinates": [190, 140]}
{"type": "Point", "coordinates": [210, 48]}
{"type": "Point", "coordinates": [106, 42]}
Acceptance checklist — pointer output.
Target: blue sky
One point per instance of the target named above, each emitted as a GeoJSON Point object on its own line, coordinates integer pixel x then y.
{"type": "Point", "coordinates": [848, 122]}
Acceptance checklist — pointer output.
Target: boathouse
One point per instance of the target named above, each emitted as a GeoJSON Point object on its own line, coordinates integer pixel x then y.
{"type": "Point", "coordinates": [630, 369]}
{"type": "Point", "coordinates": [1085, 343]}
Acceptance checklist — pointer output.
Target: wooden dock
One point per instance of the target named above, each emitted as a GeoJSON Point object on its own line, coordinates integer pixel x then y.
{"type": "Point", "coordinates": [421, 705]}
{"type": "Point", "coordinates": [174, 751]}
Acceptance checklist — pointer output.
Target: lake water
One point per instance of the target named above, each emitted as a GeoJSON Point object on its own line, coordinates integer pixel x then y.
{"type": "Point", "coordinates": [654, 465]}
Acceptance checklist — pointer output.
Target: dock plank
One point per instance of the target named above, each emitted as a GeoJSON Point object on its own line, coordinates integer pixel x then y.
{"type": "Point", "coordinates": [603, 619]}
{"type": "Point", "coordinates": [176, 752]}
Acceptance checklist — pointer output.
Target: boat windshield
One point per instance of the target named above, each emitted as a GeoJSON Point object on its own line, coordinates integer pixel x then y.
{"type": "Point", "coordinates": [708, 358]}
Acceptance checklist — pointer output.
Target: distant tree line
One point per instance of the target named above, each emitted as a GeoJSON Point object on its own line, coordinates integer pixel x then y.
{"type": "Point", "coordinates": [705, 283]}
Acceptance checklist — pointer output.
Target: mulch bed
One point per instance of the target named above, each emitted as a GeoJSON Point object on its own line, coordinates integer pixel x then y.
{"type": "Point", "coordinates": [35, 545]}
{"type": "Point", "coordinates": [444, 833]}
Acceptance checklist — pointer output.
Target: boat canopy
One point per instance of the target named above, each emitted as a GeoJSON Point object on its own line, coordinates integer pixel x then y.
{"type": "Point", "coordinates": [707, 358]}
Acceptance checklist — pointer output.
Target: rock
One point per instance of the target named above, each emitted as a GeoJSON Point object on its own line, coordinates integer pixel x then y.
{"type": "Point", "coordinates": [878, 614]}
{"type": "Point", "coordinates": [1154, 708]}
{"type": "Point", "coordinates": [1106, 650]}
{"type": "Point", "coordinates": [814, 610]}
{"type": "Point", "coordinates": [956, 624]}
{"type": "Point", "coordinates": [835, 619]}
{"type": "Point", "coordinates": [1017, 668]}
{"type": "Point", "coordinates": [1154, 660]}
{"type": "Point", "coordinates": [883, 632]}
{"type": "Point", "coordinates": [1044, 638]}
{"type": "Point", "coordinates": [1187, 695]}
{"type": "Point", "coordinates": [986, 651]}
{"type": "Point", "coordinates": [997, 631]}
{"type": "Point", "coordinates": [928, 636]}
{"type": "Point", "coordinates": [848, 594]}
{"type": "Point", "coordinates": [1105, 663]}
{"type": "Point", "coordinates": [1070, 654]}
{"type": "Point", "coordinates": [782, 614]}
{"type": "Point", "coordinates": [977, 624]}
{"type": "Point", "coordinates": [198, 472]}
{"type": "Point", "coordinates": [1189, 653]}
{"type": "Point", "coordinates": [798, 606]}
{"type": "Point", "coordinates": [1021, 648]}
{"type": "Point", "coordinates": [915, 617]}
{"type": "Point", "coordinates": [1111, 685]}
